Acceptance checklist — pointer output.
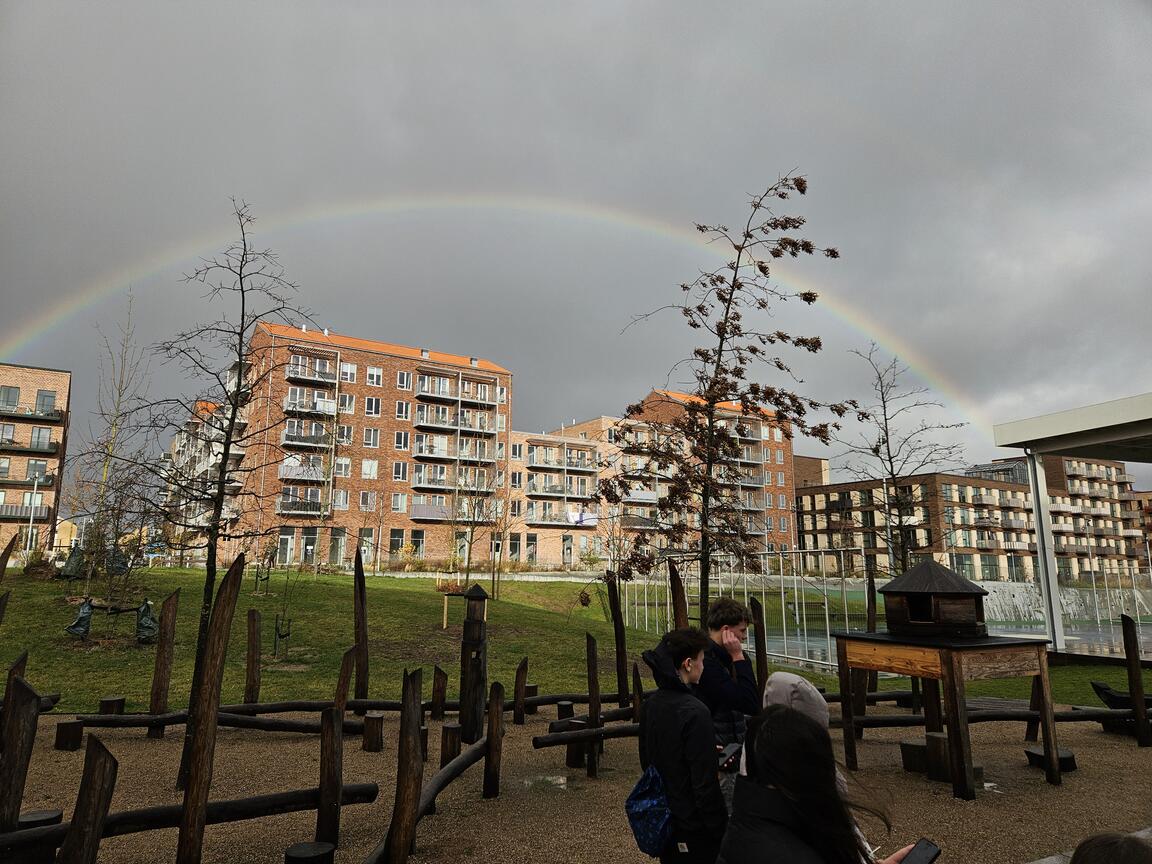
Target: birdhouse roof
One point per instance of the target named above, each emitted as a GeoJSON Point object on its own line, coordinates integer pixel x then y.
{"type": "Point", "coordinates": [476, 592]}
{"type": "Point", "coordinates": [928, 577]}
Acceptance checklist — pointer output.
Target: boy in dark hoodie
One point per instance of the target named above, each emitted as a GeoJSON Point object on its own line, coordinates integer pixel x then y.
{"type": "Point", "coordinates": [677, 737]}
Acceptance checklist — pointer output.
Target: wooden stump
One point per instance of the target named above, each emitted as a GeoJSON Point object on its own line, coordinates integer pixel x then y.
{"type": "Point", "coordinates": [111, 705]}
{"type": "Point", "coordinates": [360, 626]}
{"type": "Point", "coordinates": [520, 693]}
{"type": "Point", "coordinates": [531, 691]}
{"type": "Point", "coordinates": [309, 853]}
{"type": "Point", "coordinates": [439, 693]}
{"type": "Point", "coordinates": [22, 711]}
{"type": "Point", "coordinates": [1036, 757]}
{"type": "Point", "coordinates": [69, 735]}
{"type": "Point", "coordinates": [331, 776]}
{"type": "Point", "coordinates": [495, 736]}
{"type": "Point", "coordinates": [575, 752]}
{"type": "Point", "coordinates": [449, 743]}
{"type": "Point", "coordinates": [162, 667]}
{"type": "Point", "coordinates": [593, 748]}
{"type": "Point", "coordinates": [46, 852]}
{"type": "Point", "coordinates": [373, 741]}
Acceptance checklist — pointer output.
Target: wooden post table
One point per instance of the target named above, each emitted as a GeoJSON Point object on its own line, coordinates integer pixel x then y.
{"type": "Point", "coordinates": [950, 661]}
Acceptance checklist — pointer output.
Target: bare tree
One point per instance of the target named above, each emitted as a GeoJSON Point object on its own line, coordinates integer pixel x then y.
{"type": "Point", "coordinates": [248, 286]}
{"type": "Point", "coordinates": [897, 438]}
{"type": "Point", "coordinates": [694, 450]}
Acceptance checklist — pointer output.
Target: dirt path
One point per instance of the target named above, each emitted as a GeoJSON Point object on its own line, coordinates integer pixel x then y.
{"type": "Point", "coordinates": [546, 812]}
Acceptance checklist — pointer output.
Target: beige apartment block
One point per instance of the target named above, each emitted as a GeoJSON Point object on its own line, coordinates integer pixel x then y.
{"type": "Point", "coordinates": [980, 522]}
{"type": "Point", "coordinates": [33, 442]}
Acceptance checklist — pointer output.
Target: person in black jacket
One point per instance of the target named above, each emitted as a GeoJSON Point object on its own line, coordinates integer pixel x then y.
{"type": "Point", "coordinates": [789, 807]}
{"type": "Point", "coordinates": [676, 736]}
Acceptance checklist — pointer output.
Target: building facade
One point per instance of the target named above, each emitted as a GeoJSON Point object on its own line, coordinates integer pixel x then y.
{"type": "Point", "coordinates": [33, 445]}
{"type": "Point", "coordinates": [980, 522]}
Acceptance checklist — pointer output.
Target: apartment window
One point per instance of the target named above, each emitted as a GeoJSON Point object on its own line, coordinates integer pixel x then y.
{"type": "Point", "coordinates": [348, 372]}
{"type": "Point", "coordinates": [342, 467]}
{"type": "Point", "coordinates": [5, 464]}
{"type": "Point", "coordinates": [779, 478]}
{"type": "Point", "coordinates": [515, 511]}
{"type": "Point", "coordinates": [777, 435]}
{"type": "Point", "coordinates": [323, 366]}
{"type": "Point", "coordinates": [768, 523]}
{"type": "Point", "coordinates": [339, 499]}
{"type": "Point", "coordinates": [499, 449]}
{"type": "Point", "coordinates": [517, 451]}
{"type": "Point", "coordinates": [783, 523]}
{"type": "Point", "coordinates": [347, 403]}
{"type": "Point", "coordinates": [418, 542]}
{"type": "Point", "coordinates": [36, 468]}
{"type": "Point", "coordinates": [7, 433]}
{"type": "Point", "coordinates": [399, 470]}
{"type": "Point", "coordinates": [403, 380]}
{"type": "Point", "coordinates": [45, 401]}
{"type": "Point", "coordinates": [782, 501]}
{"type": "Point", "coordinates": [402, 440]}
{"type": "Point", "coordinates": [395, 542]}
{"type": "Point", "coordinates": [368, 468]}
{"type": "Point", "coordinates": [343, 434]}
{"type": "Point", "coordinates": [501, 394]}
{"type": "Point", "coordinates": [36, 499]}
{"type": "Point", "coordinates": [403, 410]}
{"type": "Point", "coordinates": [367, 501]}
{"type": "Point", "coordinates": [517, 479]}
{"type": "Point", "coordinates": [9, 398]}
{"type": "Point", "coordinates": [501, 422]}
{"type": "Point", "coordinates": [367, 541]}
{"type": "Point", "coordinates": [374, 376]}
{"type": "Point", "coordinates": [530, 542]}
{"type": "Point", "coordinates": [371, 437]}
{"type": "Point", "coordinates": [372, 406]}
{"type": "Point", "coordinates": [399, 502]}
{"type": "Point", "coordinates": [779, 457]}
{"type": "Point", "coordinates": [41, 437]}
{"type": "Point", "coordinates": [514, 545]}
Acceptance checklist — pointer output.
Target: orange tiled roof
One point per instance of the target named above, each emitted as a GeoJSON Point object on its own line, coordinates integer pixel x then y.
{"type": "Point", "coordinates": [336, 340]}
{"type": "Point", "coordinates": [729, 406]}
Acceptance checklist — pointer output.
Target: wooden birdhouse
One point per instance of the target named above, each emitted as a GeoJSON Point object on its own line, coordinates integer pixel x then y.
{"type": "Point", "coordinates": [931, 600]}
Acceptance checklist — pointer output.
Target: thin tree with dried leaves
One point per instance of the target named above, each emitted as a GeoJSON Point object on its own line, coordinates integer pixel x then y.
{"type": "Point", "coordinates": [693, 452]}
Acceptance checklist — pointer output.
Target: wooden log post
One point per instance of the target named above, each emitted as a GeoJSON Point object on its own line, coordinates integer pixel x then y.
{"type": "Point", "coordinates": [520, 693]}
{"type": "Point", "coordinates": [360, 615]}
{"type": "Point", "coordinates": [679, 599]}
{"type": "Point", "coordinates": [473, 666]}
{"type": "Point", "coordinates": [6, 554]}
{"type": "Point", "coordinates": [4, 604]}
{"type": "Point", "coordinates": [531, 691]}
{"type": "Point", "coordinates": [439, 693]}
{"type": "Point", "coordinates": [162, 668]}
{"type": "Point", "coordinates": [82, 842]}
{"type": "Point", "coordinates": [111, 705]}
{"type": "Point", "coordinates": [373, 741]}
{"type": "Point", "coordinates": [1035, 701]}
{"type": "Point", "coordinates": [1136, 681]}
{"type": "Point", "coordinates": [190, 843]}
{"type": "Point", "coordinates": [637, 693]}
{"type": "Point", "coordinates": [619, 640]}
{"type": "Point", "coordinates": [760, 640]}
{"type": "Point", "coordinates": [409, 777]}
{"type": "Point", "coordinates": [331, 776]}
{"type": "Point", "coordinates": [69, 735]}
{"type": "Point", "coordinates": [495, 747]}
{"type": "Point", "coordinates": [449, 743]}
{"type": "Point", "coordinates": [309, 853]}
{"type": "Point", "coordinates": [574, 754]}
{"type": "Point", "coordinates": [592, 754]}
{"type": "Point", "coordinates": [22, 710]}
{"type": "Point", "coordinates": [252, 659]}
{"type": "Point", "coordinates": [16, 670]}
{"type": "Point", "coordinates": [344, 680]}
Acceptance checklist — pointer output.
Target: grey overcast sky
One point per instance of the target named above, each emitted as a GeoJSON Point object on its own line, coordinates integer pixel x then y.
{"type": "Point", "coordinates": [517, 180]}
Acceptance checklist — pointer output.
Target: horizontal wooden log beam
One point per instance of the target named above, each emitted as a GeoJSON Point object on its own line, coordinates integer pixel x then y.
{"type": "Point", "coordinates": [448, 773]}
{"type": "Point", "coordinates": [47, 703]}
{"type": "Point", "coordinates": [168, 815]}
{"type": "Point", "coordinates": [1089, 715]}
{"type": "Point", "coordinates": [609, 716]}
{"type": "Point", "coordinates": [237, 721]}
{"type": "Point", "coordinates": [874, 697]}
{"type": "Point", "coordinates": [555, 739]}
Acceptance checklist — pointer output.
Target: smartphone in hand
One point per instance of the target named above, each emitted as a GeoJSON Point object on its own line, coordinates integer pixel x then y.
{"type": "Point", "coordinates": [924, 852]}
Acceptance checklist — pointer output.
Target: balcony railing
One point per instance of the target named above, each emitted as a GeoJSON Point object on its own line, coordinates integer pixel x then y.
{"type": "Point", "coordinates": [429, 511]}
{"type": "Point", "coordinates": [535, 461]}
{"type": "Point", "coordinates": [1063, 528]}
{"type": "Point", "coordinates": [51, 415]}
{"type": "Point", "coordinates": [325, 407]}
{"type": "Point", "coordinates": [476, 426]}
{"type": "Point", "coordinates": [436, 392]}
{"type": "Point", "coordinates": [1059, 507]}
{"type": "Point", "coordinates": [307, 473]}
{"type": "Point", "coordinates": [17, 511]}
{"type": "Point", "coordinates": [643, 496]}
{"type": "Point", "coordinates": [435, 420]}
{"type": "Point", "coordinates": [545, 488]}
{"type": "Point", "coordinates": [987, 544]}
{"type": "Point", "coordinates": [476, 456]}
{"type": "Point", "coordinates": [426, 451]}
{"type": "Point", "coordinates": [307, 373]}
{"type": "Point", "coordinates": [577, 492]}
{"type": "Point", "coordinates": [299, 439]}
{"type": "Point", "coordinates": [1131, 532]}
{"type": "Point", "coordinates": [12, 446]}
{"type": "Point", "coordinates": [580, 465]}
{"type": "Point", "coordinates": [476, 399]}
{"type": "Point", "coordinates": [300, 507]}
{"type": "Point", "coordinates": [434, 482]}
{"type": "Point", "coordinates": [990, 500]}
{"type": "Point", "coordinates": [1129, 496]}
{"type": "Point", "coordinates": [1015, 544]}
{"type": "Point", "coordinates": [45, 481]}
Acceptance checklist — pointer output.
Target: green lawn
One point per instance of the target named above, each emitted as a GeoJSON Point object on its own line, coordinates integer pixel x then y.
{"type": "Point", "coordinates": [542, 621]}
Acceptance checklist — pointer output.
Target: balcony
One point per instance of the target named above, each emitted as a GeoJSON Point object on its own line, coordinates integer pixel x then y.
{"type": "Point", "coordinates": [1097, 511]}
{"type": "Point", "coordinates": [643, 496]}
{"type": "Point", "coordinates": [474, 487]}
{"type": "Point", "coordinates": [987, 500]}
{"type": "Point", "coordinates": [1063, 528]}
{"type": "Point", "coordinates": [322, 407]}
{"type": "Point", "coordinates": [580, 494]}
{"type": "Point", "coordinates": [1016, 544]}
{"type": "Point", "coordinates": [546, 489]}
{"type": "Point", "coordinates": [17, 511]}
{"type": "Point", "coordinates": [306, 473]}
{"type": "Point", "coordinates": [427, 451]}
{"type": "Point", "coordinates": [436, 392]}
{"type": "Point", "coordinates": [47, 415]}
{"type": "Point", "coordinates": [751, 458]}
{"type": "Point", "coordinates": [1059, 507]}
{"type": "Point", "coordinates": [580, 464]}
{"type": "Point", "coordinates": [42, 482]}
{"type": "Point", "coordinates": [987, 544]}
{"type": "Point", "coordinates": [474, 398]}
{"type": "Point", "coordinates": [638, 523]}
{"type": "Point", "coordinates": [1015, 502]}
{"type": "Point", "coordinates": [1128, 496]}
{"type": "Point", "coordinates": [1018, 524]}
{"type": "Point", "coordinates": [477, 426]}
{"type": "Point", "coordinates": [752, 480]}
{"type": "Point", "coordinates": [438, 512]}
{"type": "Point", "coordinates": [434, 420]}
{"type": "Point", "coordinates": [1124, 478]}
{"type": "Point", "coordinates": [1072, 470]}
{"type": "Point", "coordinates": [538, 461]}
{"type": "Point", "coordinates": [309, 375]}
{"type": "Point", "coordinates": [421, 481]}
{"type": "Point", "coordinates": [9, 446]}
{"type": "Point", "coordinates": [1131, 532]}
{"type": "Point", "coordinates": [472, 455]}
{"type": "Point", "coordinates": [1096, 473]}
{"type": "Point", "coordinates": [299, 439]}
{"type": "Point", "coordinates": [300, 507]}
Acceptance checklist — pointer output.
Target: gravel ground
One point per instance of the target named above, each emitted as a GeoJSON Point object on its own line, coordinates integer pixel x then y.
{"type": "Point", "coordinates": [546, 812]}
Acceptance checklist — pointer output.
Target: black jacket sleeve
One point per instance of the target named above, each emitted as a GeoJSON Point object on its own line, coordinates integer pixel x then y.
{"type": "Point", "coordinates": [699, 747]}
{"type": "Point", "coordinates": [718, 689]}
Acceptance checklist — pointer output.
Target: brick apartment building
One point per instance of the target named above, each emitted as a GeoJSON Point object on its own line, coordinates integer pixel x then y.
{"type": "Point", "coordinates": [33, 443]}
{"type": "Point", "coordinates": [980, 522]}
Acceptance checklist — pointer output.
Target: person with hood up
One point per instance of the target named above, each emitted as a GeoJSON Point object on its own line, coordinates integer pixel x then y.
{"type": "Point", "coordinates": [790, 806]}
{"type": "Point", "coordinates": [676, 736]}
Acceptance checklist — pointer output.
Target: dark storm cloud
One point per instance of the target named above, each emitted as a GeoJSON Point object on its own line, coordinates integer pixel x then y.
{"type": "Point", "coordinates": [983, 168]}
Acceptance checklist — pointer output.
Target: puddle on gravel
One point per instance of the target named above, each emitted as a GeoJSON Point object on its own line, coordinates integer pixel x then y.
{"type": "Point", "coordinates": [557, 782]}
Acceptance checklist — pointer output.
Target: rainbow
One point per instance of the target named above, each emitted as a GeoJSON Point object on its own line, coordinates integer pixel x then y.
{"type": "Point", "coordinates": [24, 333]}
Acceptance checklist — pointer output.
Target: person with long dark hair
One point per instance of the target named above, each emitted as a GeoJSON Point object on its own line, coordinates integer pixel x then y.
{"type": "Point", "coordinates": [676, 736]}
{"type": "Point", "coordinates": [790, 806]}
{"type": "Point", "coordinates": [1113, 848]}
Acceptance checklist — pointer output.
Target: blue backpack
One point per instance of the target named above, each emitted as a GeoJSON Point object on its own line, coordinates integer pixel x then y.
{"type": "Point", "coordinates": [648, 813]}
